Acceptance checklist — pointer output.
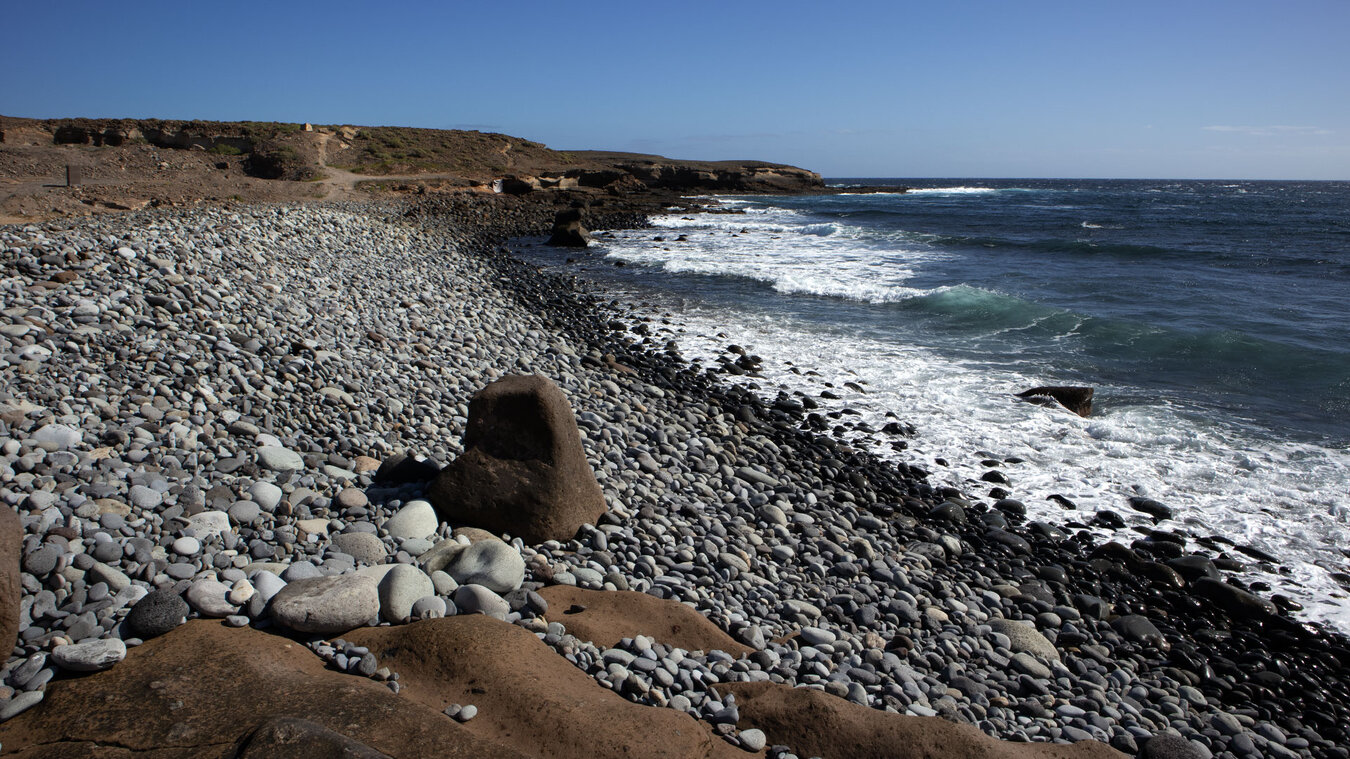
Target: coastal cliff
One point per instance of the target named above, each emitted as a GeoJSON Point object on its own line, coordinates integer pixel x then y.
{"type": "Point", "coordinates": [128, 164]}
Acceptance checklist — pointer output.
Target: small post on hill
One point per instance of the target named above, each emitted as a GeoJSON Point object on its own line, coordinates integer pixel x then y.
{"type": "Point", "coordinates": [74, 175]}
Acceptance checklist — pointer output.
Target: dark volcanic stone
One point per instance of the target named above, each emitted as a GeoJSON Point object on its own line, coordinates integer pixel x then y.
{"type": "Point", "coordinates": [523, 470]}
{"type": "Point", "coordinates": [949, 511]}
{"type": "Point", "coordinates": [159, 612]}
{"type": "Point", "coordinates": [1234, 600]}
{"type": "Point", "coordinates": [1151, 507]}
{"type": "Point", "coordinates": [1108, 518]}
{"type": "Point", "coordinates": [1139, 630]}
{"type": "Point", "coordinates": [1194, 567]}
{"type": "Point", "coordinates": [1169, 746]}
{"type": "Point", "coordinates": [1076, 399]}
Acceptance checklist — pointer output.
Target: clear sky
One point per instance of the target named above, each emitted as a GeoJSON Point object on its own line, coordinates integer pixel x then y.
{"type": "Point", "coordinates": [982, 88]}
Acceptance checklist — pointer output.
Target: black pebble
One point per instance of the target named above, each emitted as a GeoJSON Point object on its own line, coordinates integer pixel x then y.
{"type": "Point", "coordinates": [157, 613]}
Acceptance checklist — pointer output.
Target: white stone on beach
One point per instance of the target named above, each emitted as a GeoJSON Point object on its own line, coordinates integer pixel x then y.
{"type": "Point", "coordinates": [327, 605]}
{"type": "Point", "coordinates": [493, 564]}
{"type": "Point", "coordinates": [417, 519]}
{"type": "Point", "coordinates": [90, 656]}
{"type": "Point", "coordinates": [400, 588]}
{"type": "Point", "coordinates": [280, 459]}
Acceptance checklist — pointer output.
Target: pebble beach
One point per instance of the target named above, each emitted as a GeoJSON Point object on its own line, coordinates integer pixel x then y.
{"type": "Point", "coordinates": [233, 413]}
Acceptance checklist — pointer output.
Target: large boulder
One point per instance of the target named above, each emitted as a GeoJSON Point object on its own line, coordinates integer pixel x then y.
{"type": "Point", "coordinates": [1076, 399]}
{"type": "Point", "coordinates": [523, 470]}
{"type": "Point", "coordinates": [11, 592]}
{"type": "Point", "coordinates": [568, 231]}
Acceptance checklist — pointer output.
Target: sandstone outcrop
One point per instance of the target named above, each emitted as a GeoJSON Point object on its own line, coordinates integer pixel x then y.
{"type": "Point", "coordinates": [527, 696]}
{"type": "Point", "coordinates": [815, 723]}
{"type": "Point", "coordinates": [606, 617]}
{"type": "Point", "coordinates": [205, 689]}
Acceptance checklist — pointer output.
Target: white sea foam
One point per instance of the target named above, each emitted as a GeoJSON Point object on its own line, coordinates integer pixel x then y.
{"type": "Point", "coordinates": [1285, 498]}
{"type": "Point", "coordinates": [951, 190]}
{"type": "Point", "coordinates": [777, 247]}
{"type": "Point", "coordinates": [1222, 478]}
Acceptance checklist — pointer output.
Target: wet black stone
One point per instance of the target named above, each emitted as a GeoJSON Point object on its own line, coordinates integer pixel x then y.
{"type": "Point", "coordinates": [1194, 567]}
{"type": "Point", "coordinates": [1062, 501]}
{"type": "Point", "coordinates": [1109, 519]}
{"type": "Point", "coordinates": [1011, 507]}
{"type": "Point", "coordinates": [1151, 507]}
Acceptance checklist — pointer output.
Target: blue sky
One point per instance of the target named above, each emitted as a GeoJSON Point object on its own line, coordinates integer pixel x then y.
{"type": "Point", "coordinates": [1187, 88]}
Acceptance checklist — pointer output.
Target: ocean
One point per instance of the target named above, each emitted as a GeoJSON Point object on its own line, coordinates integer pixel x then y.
{"type": "Point", "coordinates": [1211, 317]}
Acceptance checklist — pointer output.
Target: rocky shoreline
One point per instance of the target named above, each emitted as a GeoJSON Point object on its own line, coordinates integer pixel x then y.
{"type": "Point", "coordinates": [201, 409]}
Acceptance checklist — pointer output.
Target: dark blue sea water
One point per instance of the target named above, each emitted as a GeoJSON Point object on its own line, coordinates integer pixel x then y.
{"type": "Point", "coordinates": [1231, 295]}
{"type": "Point", "coordinates": [1212, 317]}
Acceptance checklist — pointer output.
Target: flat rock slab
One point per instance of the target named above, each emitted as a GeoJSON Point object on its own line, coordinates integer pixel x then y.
{"type": "Point", "coordinates": [296, 738]}
{"type": "Point", "coordinates": [605, 617]}
{"type": "Point", "coordinates": [11, 589]}
{"type": "Point", "coordinates": [326, 605]}
{"type": "Point", "coordinates": [815, 723]}
{"type": "Point", "coordinates": [527, 696]}
{"type": "Point", "coordinates": [204, 689]}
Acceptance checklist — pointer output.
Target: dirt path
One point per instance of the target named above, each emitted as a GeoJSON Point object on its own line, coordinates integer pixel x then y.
{"type": "Point", "coordinates": [342, 184]}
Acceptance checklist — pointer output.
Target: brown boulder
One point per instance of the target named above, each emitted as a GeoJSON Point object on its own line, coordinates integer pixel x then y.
{"type": "Point", "coordinates": [527, 696]}
{"type": "Point", "coordinates": [814, 723]}
{"type": "Point", "coordinates": [568, 231]}
{"type": "Point", "coordinates": [204, 689]}
{"type": "Point", "coordinates": [606, 617]}
{"type": "Point", "coordinates": [1076, 399]}
{"type": "Point", "coordinates": [11, 592]}
{"type": "Point", "coordinates": [523, 470]}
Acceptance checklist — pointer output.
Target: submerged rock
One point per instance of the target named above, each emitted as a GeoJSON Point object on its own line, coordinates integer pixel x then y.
{"type": "Point", "coordinates": [1076, 399]}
